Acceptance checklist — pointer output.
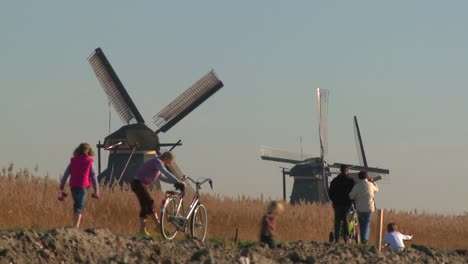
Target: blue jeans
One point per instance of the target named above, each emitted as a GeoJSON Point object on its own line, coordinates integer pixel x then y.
{"type": "Point", "coordinates": [364, 225]}
{"type": "Point", "coordinates": [79, 199]}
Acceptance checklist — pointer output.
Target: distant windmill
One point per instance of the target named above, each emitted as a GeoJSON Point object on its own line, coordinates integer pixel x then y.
{"type": "Point", "coordinates": [134, 143]}
{"type": "Point", "coordinates": [311, 174]}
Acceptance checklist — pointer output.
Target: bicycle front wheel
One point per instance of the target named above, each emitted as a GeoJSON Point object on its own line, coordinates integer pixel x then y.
{"type": "Point", "coordinates": [168, 216]}
{"type": "Point", "coordinates": [199, 223]}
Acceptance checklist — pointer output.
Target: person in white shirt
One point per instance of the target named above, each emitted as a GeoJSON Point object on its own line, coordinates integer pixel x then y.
{"type": "Point", "coordinates": [363, 196]}
{"type": "Point", "coordinates": [395, 238]}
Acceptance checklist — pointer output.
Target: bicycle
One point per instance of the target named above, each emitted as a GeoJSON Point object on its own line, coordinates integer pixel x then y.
{"type": "Point", "coordinates": [173, 219]}
{"type": "Point", "coordinates": [353, 233]}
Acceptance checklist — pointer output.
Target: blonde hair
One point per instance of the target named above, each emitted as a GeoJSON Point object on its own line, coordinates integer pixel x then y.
{"type": "Point", "coordinates": [275, 207]}
{"type": "Point", "coordinates": [83, 148]}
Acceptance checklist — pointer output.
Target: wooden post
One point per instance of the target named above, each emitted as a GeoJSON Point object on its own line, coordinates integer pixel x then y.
{"type": "Point", "coordinates": [236, 239]}
{"type": "Point", "coordinates": [379, 230]}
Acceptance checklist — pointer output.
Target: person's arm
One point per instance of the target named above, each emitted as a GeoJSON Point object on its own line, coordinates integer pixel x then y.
{"type": "Point", "coordinates": [331, 191]}
{"type": "Point", "coordinates": [376, 188]}
{"type": "Point", "coordinates": [66, 174]}
{"type": "Point", "coordinates": [353, 193]}
{"type": "Point", "coordinates": [94, 179]}
{"type": "Point", "coordinates": [166, 176]}
{"type": "Point", "coordinates": [406, 237]}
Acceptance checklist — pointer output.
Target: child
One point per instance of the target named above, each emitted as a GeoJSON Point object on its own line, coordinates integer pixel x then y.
{"type": "Point", "coordinates": [82, 174]}
{"type": "Point", "coordinates": [395, 238]}
{"type": "Point", "coordinates": [267, 234]}
{"type": "Point", "coordinates": [150, 171]}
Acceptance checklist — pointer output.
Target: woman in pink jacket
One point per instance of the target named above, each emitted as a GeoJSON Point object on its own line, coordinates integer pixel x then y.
{"type": "Point", "coordinates": [82, 175]}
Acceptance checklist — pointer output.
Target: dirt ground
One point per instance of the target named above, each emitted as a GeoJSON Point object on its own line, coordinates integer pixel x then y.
{"type": "Point", "coordinates": [99, 245]}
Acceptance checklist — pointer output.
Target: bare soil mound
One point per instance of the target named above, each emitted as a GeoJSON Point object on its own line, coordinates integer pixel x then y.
{"type": "Point", "coordinates": [99, 245]}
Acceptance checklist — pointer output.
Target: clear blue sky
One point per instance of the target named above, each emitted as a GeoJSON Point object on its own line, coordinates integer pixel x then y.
{"type": "Point", "coordinates": [400, 66]}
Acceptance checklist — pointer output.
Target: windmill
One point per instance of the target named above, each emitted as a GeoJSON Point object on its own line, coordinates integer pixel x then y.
{"type": "Point", "coordinates": [311, 174]}
{"type": "Point", "coordinates": [134, 142]}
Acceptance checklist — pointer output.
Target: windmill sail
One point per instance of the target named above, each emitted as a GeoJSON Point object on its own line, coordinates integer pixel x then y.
{"type": "Point", "coordinates": [352, 167]}
{"type": "Point", "coordinates": [114, 89]}
{"type": "Point", "coordinates": [187, 101]}
{"type": "Point", "coordinates": [359, 144]}
{"type": "Point", "coordinates": [322, 103]}
{"type": "Point", "coordinates": [279, 155]}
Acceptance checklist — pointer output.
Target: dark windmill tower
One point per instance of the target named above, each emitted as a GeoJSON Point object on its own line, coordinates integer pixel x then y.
{"type": "Point", "coordinates": [135, 142]}
{"type": "Point", "coordinates": [311, 174]}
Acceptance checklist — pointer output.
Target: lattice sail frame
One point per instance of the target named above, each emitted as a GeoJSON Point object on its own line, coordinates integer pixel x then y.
{"type": "Point", "coordinates": [187, 101]}
{"type": "Point", "coordinates": [114, 88]}
{"type": "Point", "coordinates": [322, 103]}
{"type": "Point", "coordinates": [280, 155]}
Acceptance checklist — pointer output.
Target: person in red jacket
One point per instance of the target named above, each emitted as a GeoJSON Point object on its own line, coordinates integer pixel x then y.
{"type": "Point", "coordinates": [268, 228]}
{"type": "Point", "coordinates": [82, 175]}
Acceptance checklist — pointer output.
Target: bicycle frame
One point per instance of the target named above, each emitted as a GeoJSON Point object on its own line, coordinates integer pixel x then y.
{"type": "Point", "coordinates": [193, 205]}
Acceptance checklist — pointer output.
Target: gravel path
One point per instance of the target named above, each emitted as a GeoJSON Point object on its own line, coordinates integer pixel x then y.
{"type": "Point", "coordinates": [70, 245]}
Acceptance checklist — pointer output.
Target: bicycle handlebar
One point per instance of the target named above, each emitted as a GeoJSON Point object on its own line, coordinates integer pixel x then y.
{"type": "Point", "coordinates": [198, 183]}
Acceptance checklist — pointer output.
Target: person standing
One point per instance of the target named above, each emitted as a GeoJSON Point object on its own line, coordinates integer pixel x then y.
{"type": "Point", "coordinates": [82, 175]}
{"type": "Point", "coordinates": [339, 190]}
{"type": "Point", "coordinates": [363, 196]}
{"type": "Point", "coordinates": [151, 170]}
{"type": "Point", "coordinates": [268, 228]}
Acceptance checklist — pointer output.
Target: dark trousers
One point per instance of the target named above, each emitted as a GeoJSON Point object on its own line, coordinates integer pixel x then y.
{"type": "Point", "coordinates": [268, 240]}
{"type": "Point", "coordinates": [341, 221]}
{"type": "Point", "coordinates": [144, 198]}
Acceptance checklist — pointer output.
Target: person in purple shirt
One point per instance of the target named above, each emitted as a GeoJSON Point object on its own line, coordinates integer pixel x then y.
{"type": "Point", "coordinates": [150, 171]}
{"type": "Point", "coordinates": [82, 175]}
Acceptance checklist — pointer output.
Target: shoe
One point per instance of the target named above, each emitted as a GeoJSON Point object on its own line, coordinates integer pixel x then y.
{"type": "Point", "coordinates": [145, 233]}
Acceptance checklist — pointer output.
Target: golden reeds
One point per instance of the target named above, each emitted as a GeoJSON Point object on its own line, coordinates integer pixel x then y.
{"type": "Point", "coordinates": [29, 201]}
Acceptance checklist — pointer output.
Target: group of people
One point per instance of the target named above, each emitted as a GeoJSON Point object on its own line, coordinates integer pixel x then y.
{"type": "Point", "coordinates": [343, 192]}
{"type": "Point", "coordinates": [82, 174]}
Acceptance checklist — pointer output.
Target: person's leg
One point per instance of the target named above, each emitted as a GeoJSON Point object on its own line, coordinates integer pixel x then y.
{"type": "Point", "coordinates": [268, 240]}
{"type": "Point", "coordinates": [146, 204]}
{"type": "Point", "coordinates": [364, 225]}
{"type": "Point", "coordinates": [338, 220]}
{"type": "Point", "coordinates": [76, 219]}
{"type": "Point", "coordinates": [345, 222]}
{"type": "Point", "coordinates": [79, 201]}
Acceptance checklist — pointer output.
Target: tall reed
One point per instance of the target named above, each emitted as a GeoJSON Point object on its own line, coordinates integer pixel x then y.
{"type": "Point", "coordinates": [30, 201]}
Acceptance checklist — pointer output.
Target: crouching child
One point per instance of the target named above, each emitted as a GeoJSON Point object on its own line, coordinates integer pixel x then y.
{"type": "Point", "coordinates": [395, 238]}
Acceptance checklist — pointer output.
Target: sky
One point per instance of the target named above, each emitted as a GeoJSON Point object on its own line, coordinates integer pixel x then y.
{"type": "Point", "coordinates": [399, 66]}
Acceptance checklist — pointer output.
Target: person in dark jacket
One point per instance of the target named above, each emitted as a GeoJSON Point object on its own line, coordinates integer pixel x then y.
{"type": "Point", "coordinates": [339, 190]}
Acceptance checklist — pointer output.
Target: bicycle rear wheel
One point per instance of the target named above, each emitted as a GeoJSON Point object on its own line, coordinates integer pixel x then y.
{"type": "Point", "coordinates": [168, 215]}
{"type": "Point", "coordinates": [199, 223]}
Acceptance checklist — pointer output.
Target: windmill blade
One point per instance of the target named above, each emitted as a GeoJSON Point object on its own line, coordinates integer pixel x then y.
{"type": "Point", "coordinates": [187, 101]}
{"type": "Point", "coordinates": [114, 89]}
{"type": "Point", "coordinates": [322, 103]}
{"type": "Point", "coordinates": [359, 144]}
{"type": "Point", "coordinates": [279, 155]}
{"type": "Point", "coordinates": [361, 168]}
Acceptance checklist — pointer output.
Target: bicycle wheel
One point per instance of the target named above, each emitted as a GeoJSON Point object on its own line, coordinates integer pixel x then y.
{"type": "Point", "coordinates": [199, 223]}
{"type": "Point", "coordinates": [168, 214]}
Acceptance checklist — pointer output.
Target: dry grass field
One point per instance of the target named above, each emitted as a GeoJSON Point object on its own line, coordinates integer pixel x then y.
{"type": "Point", "coordinates": [29, 201]}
